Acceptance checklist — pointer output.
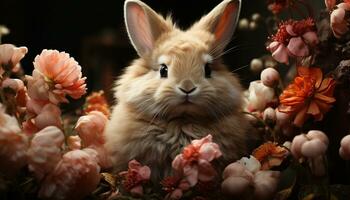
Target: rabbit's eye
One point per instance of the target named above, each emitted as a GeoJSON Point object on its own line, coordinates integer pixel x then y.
{"type": "Point", "coordinates": [207, 70]}
{"type": "Point", "coordinates": [163, 71]}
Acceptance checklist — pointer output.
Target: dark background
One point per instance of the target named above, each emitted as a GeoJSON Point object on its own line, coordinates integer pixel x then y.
{"type": "Point", "coordinates": [93, 33]}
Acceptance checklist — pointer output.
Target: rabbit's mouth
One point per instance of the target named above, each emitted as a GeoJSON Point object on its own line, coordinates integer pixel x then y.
{"type": "Point", "coordinates": [187, 100]}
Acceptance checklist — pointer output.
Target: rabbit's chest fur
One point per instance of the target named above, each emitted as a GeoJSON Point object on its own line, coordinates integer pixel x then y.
{"type": "Point", "coordinates": [156, 143]}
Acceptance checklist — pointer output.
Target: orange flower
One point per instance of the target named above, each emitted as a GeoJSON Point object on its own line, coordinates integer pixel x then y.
{"type": "Point", "coordinates": [97, 101]}
{"type": "Point", "coordinates": [270, 155]}
{"type": "Point", "coordinates": [309, 94]}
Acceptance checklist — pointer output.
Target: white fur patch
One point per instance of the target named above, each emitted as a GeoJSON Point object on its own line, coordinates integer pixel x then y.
{"type": "Point", "coordinates": [207, 58]}
{"type": "Point", "coordinates": [163, 59]}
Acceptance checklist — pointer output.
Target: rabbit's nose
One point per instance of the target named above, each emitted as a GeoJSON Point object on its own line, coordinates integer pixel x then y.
{"type": "Point", "coordinates": [187, 86]}
{"type": "Point", "coordinates": [188, 91]}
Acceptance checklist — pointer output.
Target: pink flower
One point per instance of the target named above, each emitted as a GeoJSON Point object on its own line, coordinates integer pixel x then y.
{"type": "Point", "coordinates": [293, 39]}
{"type": "Point", "coordinates": [41, 115]}
{"type": "Point", "coordinates": [62, 75]}
{"type": "Point", "coordinates": [311, 145]}
{"type": "Point", "coordinates": [282, 118]}
{"type": "Point", "coordinates": [103, 157]}
{"type": "Point", "coordinates": [13, 144]}
{"type": "Point", "coordinates": [270, 77]}
{"type": "Point", "coordinates": [283, 122]}
{"type": "Point", "coordinates": [10, 56]}
{"type": "Point", "coordinates": [74, 142]}
{"type": "Point", "coordinates": [38, 88]}
{"type": "Point", "coordinates": [265, 184]}
{"type": "Point", "coordinates": [194, 161]}
{"type": "Point", "coordinates": [90, 128]}
{"type": "Point", "coordinates": [269, 115]}
{"type": "Point", "coordinates": [259, 96]}
{"type": "Point", "coordinates": [45, 151]}
{"type": "Point", "coordinates": [14, 84]}
{"type": "Point", "coordinates": [135, 177]}
{"type": "Point", "coordinates": [339, 19]}
{"type": "Point", "coordinates": [242, 176]}
{"type": "Point", "coordinates": [237, 179]}
{"type": "Point", "coordinates": [17, 86]}
{"type": "Point", "coordinates": [50, 115]}
{"type": "Point", "coordinates": [344, 150]}
{"type": "Point", "coordinates": [74, 177]}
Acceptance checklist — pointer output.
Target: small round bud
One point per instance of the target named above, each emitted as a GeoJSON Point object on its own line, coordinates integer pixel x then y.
{"type": "Point", "coordinates": [269, 115]}
{"type": "Point", "coordinates": [253, 25]}
{"type": "Point", "coordinates": [316, 134]}
{"type": "Point", "coordinates": [256, 65]}
{"type": "Point", "coordinates": [4, 30]}
{"type": "Point", "coordinates": [297, 143]}
{"type": "Point", "coordinates": [256, 17]}
{"type": "Point", "coordinates": [344, 150]}
{"type": "Point", "coordinates": [243, 24]}
{"type": "Point", "coordinates": [235, 186]}
{"type": "Point", "coordinates": [282, 118]}
{"type": "Point", "coordinates": [270, 77]}
{"type": "Point", "coordinates": [313, 148]}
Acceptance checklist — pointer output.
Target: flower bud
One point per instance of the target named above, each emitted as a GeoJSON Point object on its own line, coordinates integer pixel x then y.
{"type": "Point", "coordinates": [243, 24]}
{"type": "Point", "coordinates": [344, 150]}
{"type": "Point", "coordinates": [313, 148]}
{"type": "Point", "coordinates": [256, 65]}
{"type": "Point", "coordinates": [253, 25]}
{"type": "Point", "coordinates": [269, 115]}
{"type": "Point", "coordinates": [297, 143]}
{"type": "Point", "coordinates": [74, 142]}
{"type": "Point", "coordinates": [270, 77]}
{"type": "Point", "coordinates": [256, 17]}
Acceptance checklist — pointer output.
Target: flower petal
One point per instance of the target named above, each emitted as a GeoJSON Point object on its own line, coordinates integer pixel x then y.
{"type": "Point", "coordinates": [206, 172]}
{"type": "Point", "coordinates": [281, 54]}
{"type": "Point", "coordinates": [301, 117]}
{"type": "Point", "coordinates": [297, 47]}
{"type": "Point", "coordinates": [191, 174]}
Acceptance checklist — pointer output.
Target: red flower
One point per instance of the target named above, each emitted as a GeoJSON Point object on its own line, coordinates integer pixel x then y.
{"type": "Point", "coordinates": [135, 177]}
{"type": "Point", "coordinates": [174, 186]}
{"type": "Point", "coordinates": [170, 183]}
{"type": "Point", "coordinates": [276, 6]}
{"type": "Point", "coordinates": [309, 94]}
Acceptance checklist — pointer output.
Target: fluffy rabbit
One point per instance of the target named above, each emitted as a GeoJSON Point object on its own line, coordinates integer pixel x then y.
{"type": "Point", "coordinates": [177, 91]}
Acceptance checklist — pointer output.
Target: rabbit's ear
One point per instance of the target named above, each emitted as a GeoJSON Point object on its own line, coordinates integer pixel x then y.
{"type": "Point", "coordinates": [221, 21]}
{"type": "Point", "coordinates": [144, 25]}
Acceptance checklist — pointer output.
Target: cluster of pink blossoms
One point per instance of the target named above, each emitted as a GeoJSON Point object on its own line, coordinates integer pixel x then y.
{"type": "Point", "coordinates": [65, 170]}
{"type": "Point", "coordinates": [55, 76]}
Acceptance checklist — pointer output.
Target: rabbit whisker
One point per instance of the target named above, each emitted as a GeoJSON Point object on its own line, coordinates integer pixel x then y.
{"type": "Point", "coordinates": [239, 68]}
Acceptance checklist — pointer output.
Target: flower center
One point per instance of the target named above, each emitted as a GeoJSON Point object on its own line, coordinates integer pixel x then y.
{"type": "Point", "coordinates": [191, 153]}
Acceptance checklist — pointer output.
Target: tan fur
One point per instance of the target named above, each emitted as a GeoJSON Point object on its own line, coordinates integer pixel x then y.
{"type": "Point", "coordinates": [150, 122]}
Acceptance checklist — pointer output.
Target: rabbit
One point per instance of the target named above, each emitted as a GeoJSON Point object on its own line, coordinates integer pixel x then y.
{"type": "Point", "coordinates": [177, 90]}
